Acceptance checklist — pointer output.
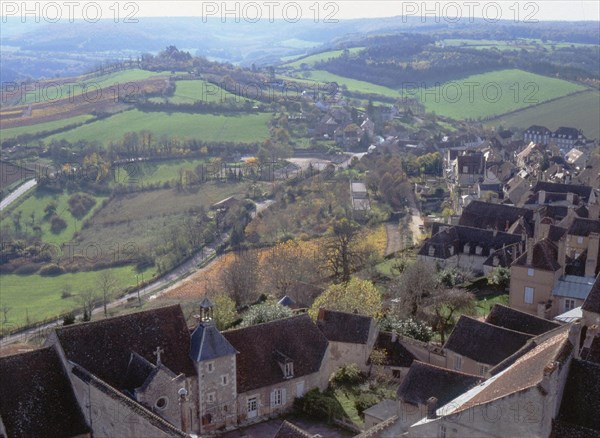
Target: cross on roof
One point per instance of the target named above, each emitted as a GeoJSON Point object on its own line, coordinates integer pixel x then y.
{"type": "Point", "coordinates": [157, 353]}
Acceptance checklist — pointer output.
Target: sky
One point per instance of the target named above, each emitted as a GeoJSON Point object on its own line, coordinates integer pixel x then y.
{"type": "Point", "coordinates": [312, 9]}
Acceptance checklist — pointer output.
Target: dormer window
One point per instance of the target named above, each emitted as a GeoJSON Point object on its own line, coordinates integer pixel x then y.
{"type": "Point", "coordinates": [431, 250]}
{"type": "Point", "coordinates": [285, 363]}
{"type": "Point", "coordinates": [478, 250]}
{"type": "Point", "coordinates": [289, 370]}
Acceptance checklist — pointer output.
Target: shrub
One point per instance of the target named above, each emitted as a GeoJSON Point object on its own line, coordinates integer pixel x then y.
{"type": "Point", "coordinates": [57, 224]}
{"type": "Point", "coordinates": [348, 375]}
{"type": "Point", "coordinates": [365, 401]}
{"type": "Point", "coordinates": [69, 319]}
{"type": "Point", "coordinates": [318, 405]}
{"type": "Point", "coordinates": [407, 327]}
{"type": "Point", "coordinates": [268, 311]}
{"type": "Point", "coordinates": [80, 204]}
{"type": "Point", "coordinates": [51, 270]}
{"type": "Point", "coordinates": [27, 269]}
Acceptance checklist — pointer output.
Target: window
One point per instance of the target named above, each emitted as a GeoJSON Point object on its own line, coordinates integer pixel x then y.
{"type": "Point", "coordinates": [252, 407]}
{"type": "Point", "coordinates": [210, 367]}
{"type": "Point", "coordinates": [162, 403]}
{"type": "Point", "coordinates": [224, 379]}
{"type": "Point", "coordinates": [442, 431]}
{"type": "Point", "coordinates": [530, 272]}
{"type": "Point", "coordinates": [457, 363]}
{"type": "Point", "coordinates": [579, 239]}
{"type": "Point", "coordinates": [289, 370]}
{"type": "Point", "coordinates": [569, 304]}
{"type": "Point", "coordinates": [483, 369]}
{"type": "Point", "coordinates": [210, 397]}
{"type": "Point", "coordinates": [528, 298]}
{"type": "Point", "coordinates": [278, 397]}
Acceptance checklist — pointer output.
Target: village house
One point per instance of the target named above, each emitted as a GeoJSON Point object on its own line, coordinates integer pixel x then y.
{"type": "Point", "coordinates": [566, 138]}
{"type": "Point", "coordinates": [537, 134]}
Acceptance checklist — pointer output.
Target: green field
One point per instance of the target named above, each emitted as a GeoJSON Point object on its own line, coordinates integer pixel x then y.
{"type": "Point", "coordinates": [208, 127]}
{"type": "Point", "coordinates": [204, 91]}
{"type": "Point", "coordinates": [153, 172]}
{"type": "Point", "coordinates": [325, 77]}
{"type": "Point", "coordinates": [37, 298]}
{"type": "Point", "coordinates": [323, 56]}
{"type": "Point", "coordinates": [510, 45]}
{"type": "Point", "coordinates": [36, 203]}
{"type": "Point", "coordinates": [41, 127]}
{"type": "Point", "coordinates": [581, 111]}
{"type": "Point", "coordinates": [492, 94]}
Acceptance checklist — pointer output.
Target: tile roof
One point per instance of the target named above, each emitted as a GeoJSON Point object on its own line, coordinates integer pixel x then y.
{"type": "Point", "coordinates": [138, 371]}
{"type": "Point", "coordinates": [486, 215]}
{"type": "Point", "coordinates": [555, 233]}
{"type": "Point", "coordinates": [344, 327]}
{"type": "Point", "coordinates": [512, 319]}
{"type": "Point", "coordinates": [592, 353]}
{"type": "Point", "coordinates": [36, 398]}
{"type": "Point", "coordinates": [296, 337]}
{"type": "Point", "coordinates": [424, 381]}
{"type": "Point", "coordinates": [545, 255]}
{"type": "Point", "coordinates": [483, 342]}
{"type": "Point", "coordinates": [582, 191]}
{"type": "Point", "coordinates": [581, 398]}
{"type": "Point", "coordinates": [592, 302]}
{"type": "Point", "coordinates": [526, 372]}
{"type": "Point", "coordinates": [396, 354]}
{"type": "Point", "coordinates": [207, 343]}
{"type": "Point", "coordinates": [104, 347]}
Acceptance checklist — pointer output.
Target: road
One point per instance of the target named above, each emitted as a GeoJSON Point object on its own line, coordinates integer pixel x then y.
{"type": "Point", "coordinates": [18, 192]}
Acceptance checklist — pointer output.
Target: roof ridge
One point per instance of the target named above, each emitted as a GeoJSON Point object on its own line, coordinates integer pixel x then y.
{"type": "Point", "coordinates": [302, 315]}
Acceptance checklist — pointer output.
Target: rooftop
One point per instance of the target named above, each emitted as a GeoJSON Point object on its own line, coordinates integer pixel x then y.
{"type": "Point", "coordinates": [572, 286]}
{"type": "Point", "coordinates": [512, 319]}
{"type": "Point", "coordinates": [344, 327]}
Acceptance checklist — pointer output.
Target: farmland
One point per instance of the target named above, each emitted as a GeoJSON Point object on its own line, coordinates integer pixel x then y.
{"type": "Point", "coordinates": [154, 172]}
{"type": "Point", "coordinates": [323, 56]}
{"type": "Point", "coordinates": [207, 127]}
{"type": "Point", "coordinates": [41, 127]}
{"type": "Point", "coordinates": [35, 298]}
{"type": "Point", "coordinates": [199, 90]}
{"type": "Point", "coordinates": [581, 110]}
{"type": "Point", "coordinates": [325, 77]}
{"type": "Point", "coordinates": [493, 94]}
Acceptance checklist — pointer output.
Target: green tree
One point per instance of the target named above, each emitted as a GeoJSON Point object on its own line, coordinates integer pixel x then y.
{"type": "Point", "coordinates": [224, 312]}
{"type": "Point", "coordinates": [265, 312]}
{"type": "Point", "coordinates": [357, 295]}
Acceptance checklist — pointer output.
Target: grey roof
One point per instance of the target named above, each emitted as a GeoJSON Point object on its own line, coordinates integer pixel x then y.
{"type": "Point", "coordinates": [570, 316]}
{"type": "Point", "coordinates": [206, 303]}
{"type": "Point", "coordinates": [592, 303]}
{"type": "Point", "coordinates": [572, 286]}
{"type": "Point", "coordinates": [287, 301]}
{"type": "Point", "coordinates": [208, 343]}
{"type": "Point", "coordinates": [383, 410]}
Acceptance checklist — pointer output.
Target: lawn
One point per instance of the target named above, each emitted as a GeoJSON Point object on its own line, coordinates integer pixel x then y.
{"type": "Point", "coordinates": [353, 84]}
{"type": "Point", "coordinates": [35, 204]}
{"type": "Point", "coordinates": [152, 172]}
{"type": "Point", "coordinates": [204, 91]}
{"type": "Point", "coordinates": [491, 94]}
{"type": "Point", "coordinates": [580, 111]}
{"type": "Point", "coordinates": [41, 127]}
{"type": "Point", "coordinates": [36, 298]}
{"type": "Point", "coordinates": [484, 305]}
{"type": "Point", "coordinates": [245, 128]}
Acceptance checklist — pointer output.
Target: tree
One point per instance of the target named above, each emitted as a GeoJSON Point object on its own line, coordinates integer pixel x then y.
{"type": "Point", "coordinates": [106, 284]}
{"type": "Point", "coordinates": [500, 276]}
{"type": "Point", "coordinates": [5, 310]}
{"type": "Point", "coordinates": [240, 277]}
{"type": "Point", "coordinates": [342, 254]}
{"type": "Point", "coordinates": [409, 327]}
{"type": "Point", "coordinates": [265, 312]}
{"type": "Point", "coordinates": [359, 296]}
{"type": "Point", "coordinates": [410, 288]}
{"type": "Point", "coordinates": [224, 312]}
{"type": "Point", "coordinates": [444, 305]}
{"type": "Point", "coordinates": [87, 299]}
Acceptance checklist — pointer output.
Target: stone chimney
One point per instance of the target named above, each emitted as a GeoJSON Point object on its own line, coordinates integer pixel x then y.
{"type": "Point", "coordinates": [562, 254]}
{"type": "Point", "coordinates": [432, 408]}
{"type": "Point", "coordinates": [541, 197]}
{"type": "Point", "coordinates": [592, 255]}
{"type": "Point", "coordinates": [529, 244]}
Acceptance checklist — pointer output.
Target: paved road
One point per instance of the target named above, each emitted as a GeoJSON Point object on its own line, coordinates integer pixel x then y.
{"type": "Point", "coordinates": [18, 192]}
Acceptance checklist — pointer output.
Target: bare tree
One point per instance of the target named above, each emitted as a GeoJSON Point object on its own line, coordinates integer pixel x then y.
{"type": "Point", "coordinates": [5, 310]}
{"type": "Point", "coordinates": [342, 254]}
{"type": "Point", "coordinates": [240, 278]}
{"type": "Point", "coordinates": [106, 284]}
{"type": "Point", "coordinates": [416, 283]}
{"type": "Point", "coordinates": [443, 306]}
{"type": "Point", "coordinates": [87, 299]}
{"type": "Point", "coordinates": [287, 265]}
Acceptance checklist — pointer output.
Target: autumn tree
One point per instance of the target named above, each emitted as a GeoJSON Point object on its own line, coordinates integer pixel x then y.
{"type": "Point", "coordinates": [240, 277]}
{"type": "Point", "coordinates": [341, 253]}
{"type": "Point", "coordinates": [357, 295]}
{"type": "Point", "coordinates": [410, 288]}
{"type": "Point", "coordinates": [443, 306]}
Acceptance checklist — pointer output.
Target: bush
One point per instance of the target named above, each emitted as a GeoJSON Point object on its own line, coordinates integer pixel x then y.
{"type": "Point", "coordinates": [27, 269]}
{"type": "Point", "coordinates": [319, 406]}
{"type": "Point", "coordinates": [69, 319]}
{"type": "Point", "coordinates": [80, 204]}
{"type": "Point", "coordinates": [57, 224]}
{"type": "Point", "coordinates": [51, 270]}
{"type": "Point", "coordinates": [407, 327]}
{"type": "Point", "coordinates": [348, 375]}
{"type": "Point", "coordinates": [268, 311]}
{"type": "Point", "coordinates": [365, 401]}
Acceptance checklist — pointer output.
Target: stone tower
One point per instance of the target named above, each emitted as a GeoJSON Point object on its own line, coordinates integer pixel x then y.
{"type": "Point", "coordinates": [215, 361]}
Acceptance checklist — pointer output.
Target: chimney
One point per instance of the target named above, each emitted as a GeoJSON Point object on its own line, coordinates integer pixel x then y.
{"type": "Point", "coordinates": [537, 232]}
{"type": "Point", "coordinates": [541, 197]}
{"type": "Point", "coordinates": [432, 408]}
{"type": "Point", "coordinates": [592, 255]}
{"type": "Point", "coordinates": [529, 245]}
{"type": "Point", "coordinates": [394, 336]}
{"type": "Point", "coordinates": [562, 254]}
{"type": "Point", "coordinates": [321, 315]}
{"type": "Point", "coordinates": [570, 198]}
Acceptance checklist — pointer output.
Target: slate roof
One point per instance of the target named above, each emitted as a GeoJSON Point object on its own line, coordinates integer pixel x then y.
{"type": "Point", "coordinates": [473, 162]}
{"type": "Point", "coordinates": [36, 399]}
{"type": "Point", "coordinates": [592, 354]}
{"type": "Point", "coordinates": [289, 430]}
{"type": "Point", "coordinates": [137, 372]}
{"type": "Point", "coordinates": [592, 302]}
{"type": "Point", "coordinates": [424, 381]}
{"type": "Point", "coordinates": [545, 255]}
{"type": "Point", "coordinates": [504, 256]}
{"type": "Point", "coordinates": [483, 342]}
{"type": "Point", "coordinates": [344, 327]}
{"type": "Point", "coordinates": [555, 233]}
{"type": "Point", "coordinates": [457, 237]}
{"type": "Point", "coordinates": [104, 347]}
{"type": "Point", "coordinates": [581, 398]}
{"type": "Point", "coordinates": [486, 215]}
{"type": "Point", "coordinates": [512, 319]}
{"type": "Point", "coordinates": [583, 227]}
{"type": "Point", "coordinates": [396, 354]}
{"type": "Point", "coordinates": [287, 302]}
{"type": "Point", "coordinates": [297, 337]}
{"type": "Point", "coordinates": [207, 343]}
{"type": "Point", "coordinates": [572, 286]}
{"type": "Point", "coordinates": [582, 191]}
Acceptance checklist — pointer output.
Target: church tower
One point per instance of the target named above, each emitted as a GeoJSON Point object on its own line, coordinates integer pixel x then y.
{"type": "Point", "coordinates": [215, 361]}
